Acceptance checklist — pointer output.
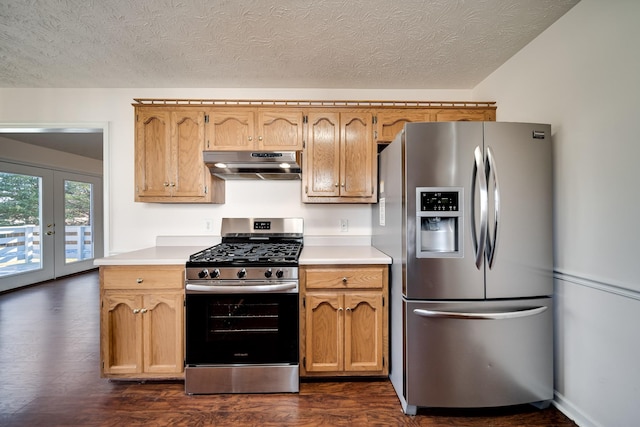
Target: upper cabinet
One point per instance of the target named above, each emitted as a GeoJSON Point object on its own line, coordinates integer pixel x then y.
{"type": "Point", "coordinates": [168, 158]}
{"type": "Point", "coordinates": [233, 129]}
{"type": "Point", "coordinates": [390, 121]}
{"type": "Point", "coordinates": [339, 157]}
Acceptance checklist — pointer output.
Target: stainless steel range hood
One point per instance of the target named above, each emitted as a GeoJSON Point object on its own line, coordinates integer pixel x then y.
{"type": "Point", "coordinates": [265, 165]}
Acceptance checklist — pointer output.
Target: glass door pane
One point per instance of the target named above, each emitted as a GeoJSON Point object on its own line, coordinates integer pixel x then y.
{"type": "Point", "coordinates": [26, 225]}
{"type": "Point", "coordinates": [78, 224]}
{"type": "Point", "coordinates": [20, 230]}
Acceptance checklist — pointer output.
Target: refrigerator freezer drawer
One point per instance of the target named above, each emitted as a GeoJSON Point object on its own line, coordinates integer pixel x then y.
{"type": "Point", "coordinates": [478, 354]}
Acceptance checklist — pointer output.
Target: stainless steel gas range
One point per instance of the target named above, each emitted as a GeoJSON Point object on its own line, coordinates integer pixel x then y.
{"type": "Point", "coordinates": [242, 309]}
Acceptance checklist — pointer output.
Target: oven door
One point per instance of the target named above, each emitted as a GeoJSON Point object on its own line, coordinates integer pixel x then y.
{"type": "Point", "coordinates": [241, 328]}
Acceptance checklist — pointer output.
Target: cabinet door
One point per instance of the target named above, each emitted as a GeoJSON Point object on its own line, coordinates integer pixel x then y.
{"type": "Point", "coordinates": [231, 130]}
{"type": "Point", "coordinates": [363, 331]}
{"type": "Point", "coordinates": [280, 130]}
{"type": "Point", "coordinates": [390, 122]}
{"type": "Point", "coordinates": [121, 333]}
{"type": "Point", "coordinates": [153, 153]}
{"type": "Point", "coordinates": [324, 337]}
{"type": "Point", "coordinates": [187, 136]}
{"type": "Point", "coordinates": [357, 155]}
{"type": "Point", "coordinates": [455, 115]}
{"type": "Point", "coordinates": [322, 154]}
{"type": "Point", "coordinates": [163, 333]}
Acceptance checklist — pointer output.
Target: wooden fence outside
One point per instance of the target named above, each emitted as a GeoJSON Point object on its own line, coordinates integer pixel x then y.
{"type": "Point", "coordinates": [22, 243]}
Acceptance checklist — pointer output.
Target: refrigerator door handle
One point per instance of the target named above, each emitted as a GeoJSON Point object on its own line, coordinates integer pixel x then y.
{"type": "Point", "coordinates": [479, 176]}
{"type": "Point", "coordinates": [492, 241]}
{"type": "Point", "coordinates": [437, 314]}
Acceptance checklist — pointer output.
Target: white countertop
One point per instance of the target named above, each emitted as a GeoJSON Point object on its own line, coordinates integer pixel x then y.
{"type": "Point", "coordinates": [311, 255]}
{"type": "Point", "coordinates": [156, 255]}
{"type": "Point", "coordinates": [316, 255]}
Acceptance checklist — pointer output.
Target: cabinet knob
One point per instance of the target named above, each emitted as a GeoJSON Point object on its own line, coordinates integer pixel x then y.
{"type": "Point", "coordinates": [144, 310]}
{"type": "Point", "coordinates": [260, 138]}
{"type": "Point", "coordinates": [136, 310]}
{"type": "Point", "coordinates": [348, 308]}
{"type": "Point", "coordinates": [337, 185]}
{"type": "Point", "coordinates": [342, 185]}
{"type": "Point", "coordinates": [250, 138]}
{"type": "Point", "coordinates": [344, 280]}
{"type": "Point", "coordinates": [166, 184]}
{"type": "Point", "coordinates": [139, 280]}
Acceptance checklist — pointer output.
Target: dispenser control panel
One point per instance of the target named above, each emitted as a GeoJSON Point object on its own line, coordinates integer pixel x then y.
{"type": "Point", "coordinates": [439, 201]}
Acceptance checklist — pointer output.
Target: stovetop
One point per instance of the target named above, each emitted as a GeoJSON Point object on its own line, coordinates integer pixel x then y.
{"type": "Point", "coordinates": [255, 253]}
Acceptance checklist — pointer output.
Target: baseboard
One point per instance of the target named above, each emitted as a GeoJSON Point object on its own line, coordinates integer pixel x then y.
{"type": "Point", "coordinates": [572, 412]}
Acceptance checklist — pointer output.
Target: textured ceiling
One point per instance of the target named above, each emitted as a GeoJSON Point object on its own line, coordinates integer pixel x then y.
{"type": "Point", "coordinates": [418, 44]}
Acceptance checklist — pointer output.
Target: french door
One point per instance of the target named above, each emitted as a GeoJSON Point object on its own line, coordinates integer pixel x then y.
{"type": "Point", "coordinates": [50, 224]}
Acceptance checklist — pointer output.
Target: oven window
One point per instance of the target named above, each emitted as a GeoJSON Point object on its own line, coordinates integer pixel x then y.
{"type": "Point", "coordinates": [241, 328]}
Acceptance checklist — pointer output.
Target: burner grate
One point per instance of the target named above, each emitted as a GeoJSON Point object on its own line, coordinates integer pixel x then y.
{"type": "Point", "coordinates": [249, 252]}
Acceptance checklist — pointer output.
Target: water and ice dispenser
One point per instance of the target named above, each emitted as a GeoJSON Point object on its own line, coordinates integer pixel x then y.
{"type": "Point", "coordinates": [439, 224]}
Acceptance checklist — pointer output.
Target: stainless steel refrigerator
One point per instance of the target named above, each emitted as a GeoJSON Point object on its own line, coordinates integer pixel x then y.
{"type": "Point", "coordinates": [465, 212]}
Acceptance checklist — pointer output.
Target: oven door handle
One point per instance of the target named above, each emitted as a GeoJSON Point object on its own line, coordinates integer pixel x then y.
{"type": "Point", "coordinates": [241, 289]}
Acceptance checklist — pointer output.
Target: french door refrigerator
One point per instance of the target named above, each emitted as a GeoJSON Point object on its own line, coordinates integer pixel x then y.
{"type": "Point", "coordinates": [465, 212]}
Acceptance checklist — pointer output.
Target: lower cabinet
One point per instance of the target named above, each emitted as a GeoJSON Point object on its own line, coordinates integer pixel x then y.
{"type": "Point", "coordinates": [344, 321]}
{"type": "Point", "coordinates": [142, 321]}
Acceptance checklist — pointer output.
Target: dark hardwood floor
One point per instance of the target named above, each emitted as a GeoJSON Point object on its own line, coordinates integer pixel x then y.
{"type": "Point", "coordinates": [49, 376]}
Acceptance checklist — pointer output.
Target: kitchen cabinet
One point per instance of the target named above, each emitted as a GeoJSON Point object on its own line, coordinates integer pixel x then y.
{"type": "Point", "coordinates": [168, 158]}
{"type": "Point", "coordinates": [142, 321]}
{"type": "Point", "coordinates": [344, 320]}
{"type": "Point", "coordinates": [263, 129]}
{"type": "Point", "coordinates": [389, 122]}
{"type": "Point", "coordinates": [339, 161]}
{"type": "Point", "coordinates": [462, 114]}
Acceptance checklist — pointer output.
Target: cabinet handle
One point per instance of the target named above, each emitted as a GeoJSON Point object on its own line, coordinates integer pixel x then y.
{"type": "Point", "coordinates": [337, 185]}
{"type": "Point", "coordinates": [260, 138]}
{"type": "Point", "coordinates": [250, 138]}
{"type": "Point", "coordinates": [166, 184]}
{"type": "Point", "coordinates": [144, 310]}
{"type": "Point", "coordinates": [340, 309]}
{"type": "Point", "coordinates": [173, 184]}
{"type": "Point", "coordinates": [348, 308]}
{"type": "Point", "coordinates": [344, 280]}
{"type": "Point", "coordinates": [136, 310]}
{"type": "Point", "coordinates": [342, 185]}
{"type": "Point", "coordinates": [139, 280]}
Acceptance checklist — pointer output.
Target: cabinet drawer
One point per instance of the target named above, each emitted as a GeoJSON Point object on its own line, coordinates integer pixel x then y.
{"type": "Point", "coordinates": [344, 278]}
{"type": "Point", "coordinates": [146, 277]}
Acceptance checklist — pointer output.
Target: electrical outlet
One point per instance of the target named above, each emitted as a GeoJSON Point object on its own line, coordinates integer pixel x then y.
{"type": "Point", "coordinates": [208, 224]}
{"type": "Point", "coordinates": [344, 225]}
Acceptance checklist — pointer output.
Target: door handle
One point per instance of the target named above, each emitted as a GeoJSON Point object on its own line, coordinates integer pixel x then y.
{"type": "Point", "coordinates": [49, 233]}
{"type": "Point", "coordinates": [478, 177]}
{"type": "Point", "coordinates": [492, 241]}
{"type": "Point", "coordinates": [498, 315]}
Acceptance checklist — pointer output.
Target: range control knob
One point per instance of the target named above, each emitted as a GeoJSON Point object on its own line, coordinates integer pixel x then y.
{"type": "Point", "coordinates": [268, 273]}
{"type": "Point", "coordinates": [214, 274]}
{"type": "Point", "coordinates": [242, 273]}
{"type": "Point", "coordinates": [279, 274]}
{"type": "Point", "coordinates": [204, 273]}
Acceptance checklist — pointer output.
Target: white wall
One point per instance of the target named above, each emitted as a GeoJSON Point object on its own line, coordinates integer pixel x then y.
{"type": "Point", "coordinates": [135, 225]}
{"type": "Point", "coordinates": [581, 75]}
{"type": "Point", "coordinates": [34, 155]}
